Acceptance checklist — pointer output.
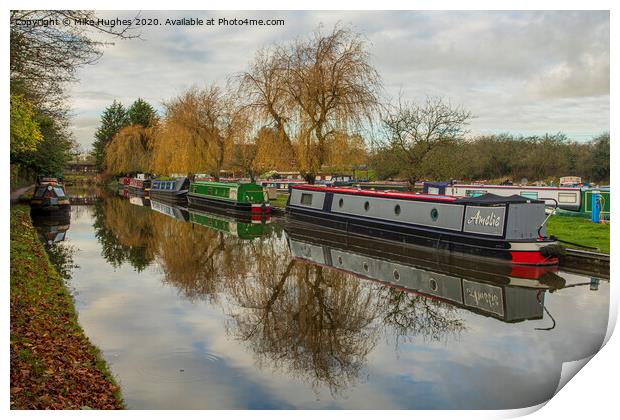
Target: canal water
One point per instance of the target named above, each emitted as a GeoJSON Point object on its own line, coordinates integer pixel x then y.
{"type": "Point", "coordinates": [197, 310]}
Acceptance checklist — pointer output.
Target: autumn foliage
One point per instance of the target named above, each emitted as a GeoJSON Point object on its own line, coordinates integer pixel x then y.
{"type": "Point", "coordinates": [53, 365]}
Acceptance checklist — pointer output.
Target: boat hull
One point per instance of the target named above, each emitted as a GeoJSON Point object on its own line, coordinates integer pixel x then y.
{"type": "Point", "coordinates": [197, 200]}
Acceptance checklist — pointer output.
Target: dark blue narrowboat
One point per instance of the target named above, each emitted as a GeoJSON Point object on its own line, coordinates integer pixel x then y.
{"type": "Point", "coordinates": [170, 189]}
{"type": "Point", "coordinates": [506, 228]}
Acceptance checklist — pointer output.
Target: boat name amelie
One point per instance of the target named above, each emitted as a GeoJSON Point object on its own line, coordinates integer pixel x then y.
{"type": "Point", "coordinates": [489, 220]}
{"type": "Point", "coordinates": [490, 299]}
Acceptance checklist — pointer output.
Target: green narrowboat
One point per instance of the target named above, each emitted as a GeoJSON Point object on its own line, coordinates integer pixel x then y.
{"type": "Point", "coordinates": [585, 208]}
{"type": "Point", "coordinates": [243, 228]}
{"type": "Point", "coordinates": [242, 197]}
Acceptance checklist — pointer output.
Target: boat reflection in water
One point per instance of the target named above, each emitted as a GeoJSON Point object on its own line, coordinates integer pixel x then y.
{"type": "Point", "coordinates": [511, 294]}
{"type": "Point", "coordinates": [51, 228]}
{"type": "Point", "coordinates": [139, 200]}
{"type": "Point", "coordinates": [243, 226]}
{"type": "Point", "coordinates": [320, 320]}
{"type": "Point", "coordinates": [176, 212]}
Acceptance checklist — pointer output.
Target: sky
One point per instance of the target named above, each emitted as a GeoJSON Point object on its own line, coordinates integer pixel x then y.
{"type": "Point", "coordinates": [518, 72]}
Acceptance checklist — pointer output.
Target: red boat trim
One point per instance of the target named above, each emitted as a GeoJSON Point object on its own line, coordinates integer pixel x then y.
{"type": "Point", "coordinates": [384, 194]}
{"type": "Point", "coordinates": [516, 187]}
{"type": "Point", "coordinates": [532, 258]}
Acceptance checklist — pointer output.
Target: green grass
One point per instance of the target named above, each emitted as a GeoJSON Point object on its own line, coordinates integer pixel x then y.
{"type": "Point", "coordinates": [50, 353]}
{"type": "Point", "coordinates": [581, 231]}
{"type": "Point", "coordinates": [280, 201]}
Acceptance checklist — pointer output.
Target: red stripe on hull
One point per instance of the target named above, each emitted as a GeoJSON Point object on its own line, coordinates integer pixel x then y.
{"type": "Point", "coordinates": [385, 194]}
{"type": "Point", "coordinates": [261, 209]}
{"type": "Point", "coordinates": [532, 258]}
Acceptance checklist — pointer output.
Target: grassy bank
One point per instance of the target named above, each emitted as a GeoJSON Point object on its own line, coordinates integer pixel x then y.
{"type": "Point", "coordinates": [53, 364]}
{"type": "Point", "coordinates": [280, 201]}
{"type": "Point", "coordinates": [581, 231]}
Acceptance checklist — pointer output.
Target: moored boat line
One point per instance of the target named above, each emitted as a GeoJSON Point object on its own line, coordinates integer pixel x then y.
{"type": "Point", "coordinates": [566, 198]}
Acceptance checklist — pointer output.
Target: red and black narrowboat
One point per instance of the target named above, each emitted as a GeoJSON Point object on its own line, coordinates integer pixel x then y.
{"type": "Point", "coordinates": [140, 184]}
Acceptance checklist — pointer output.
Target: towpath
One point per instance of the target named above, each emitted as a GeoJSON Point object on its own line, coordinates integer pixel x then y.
{"type": "Point", "coordinates": [16, 193]}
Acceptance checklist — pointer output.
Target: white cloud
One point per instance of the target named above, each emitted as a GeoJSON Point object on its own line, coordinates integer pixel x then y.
{"type": "Point", "coordinates": [517, 71]}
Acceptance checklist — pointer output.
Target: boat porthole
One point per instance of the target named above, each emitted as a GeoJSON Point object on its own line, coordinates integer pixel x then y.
{"type": "Point", "coordinates": [365, 266]}
{"type": "Point", "coordinates": [340, 203]}
{"type": "Point", "coordinates": [396, 275]}
{"type": "Point", "coordinates": [366, 205]}
{"type": "Point", "coordinates": [434, 214]}
{"type": "Point", "coordinates": [340, 260]}
{"type": "Point", "coordinates": [397, 209]}
{"type": "Point", "coordinates": [433, 284]}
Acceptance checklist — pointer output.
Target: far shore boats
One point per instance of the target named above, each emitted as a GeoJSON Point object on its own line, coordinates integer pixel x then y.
{"type": "Point", "coordinates": [510, 229]}
{"type": "Point", "coordinates": [170, 189]}
{"type": "Point", "coordinates": [568, 199]}
{"type": "Point", "coordinates": [140, 184]}
{"type": "Point", "coordinates": [234, 196]}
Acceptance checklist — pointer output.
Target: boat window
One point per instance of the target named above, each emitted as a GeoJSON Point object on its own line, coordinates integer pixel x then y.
{"type": "Point", "coordinates": [396, 275]}
{"type": "Point", "coordinates": [40, 191]}
{"type": "Point", "coordinates": [365, 266]}
{"type": "Point", "coordinates": [567, 197]}
{"type": "Point", "coordinates": [59, 192]}
{"type": "Point", "coordinates": [366, 205]}
{"type": "Point", "coordinates": [475, 193]}
{"type": "Point", "coordinates": [433, 284]}
{"type": "Point", "coordinates": [434, 214]}
{"type": "Point", "coordinates": [532, 195]}
{"type": "Point", "coordinates": [341, 203]}
{"type": "Point", "coordinates": [340, 259]}
{"type": "Point", "coordinates": [397, 209]}
{"type": "Point", "coordinates": [306, 199]}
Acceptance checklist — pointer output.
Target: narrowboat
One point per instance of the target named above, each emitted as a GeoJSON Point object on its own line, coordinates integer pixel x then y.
{"type": "Point", "coordinates": [239, 197]}
{"type": "Point", "coordinates": [383, 185]}
{"type": "Point", "coordinates": [281, 185]}
{"type": "Point", "coordinates": [124, 181]}
{"type": "Point", "coordinates": [141, 184]}
{"type": "Point", "coordinates": [510, 229]}
{"type": "Point", "coordinates": [241, 227]}
{"type": "Point", "coordinates": [170, 210]}
{"type": "Point", "coordinates": [585, 210]}
{"type": "Point", "coordinates": [49, 196]}
{"type": "Point", "coordinates": [503, 295]}
{"type": "Point", "coordinates": [174, 189]}
{"type": "Point", "coordinates": [566, 198]}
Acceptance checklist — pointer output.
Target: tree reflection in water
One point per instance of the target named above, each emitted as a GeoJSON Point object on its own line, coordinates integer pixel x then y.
{"type": "Point", "coordinates": [312, 322]}
{"type": "Point", "coordinates": [124, 231]}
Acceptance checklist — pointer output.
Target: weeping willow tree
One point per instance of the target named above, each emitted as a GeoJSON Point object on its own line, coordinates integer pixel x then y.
{"type": "Point", "coordinates": [311, 89]}
{"type": "Point", "coordinates": [130, 150]}
{"type": "Point", "coordinates": [198, 132]}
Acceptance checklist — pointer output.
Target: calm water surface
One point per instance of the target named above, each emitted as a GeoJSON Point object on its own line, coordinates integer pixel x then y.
{"type": "Point", "coordinates": [195, 310]}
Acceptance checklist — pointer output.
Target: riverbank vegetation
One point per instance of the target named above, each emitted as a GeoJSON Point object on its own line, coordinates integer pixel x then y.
{"type": "Point", "coordinates": [44, 58]}
{"type": "Point", "coordinates": [53, 364]}
{"type": "Point", "coordinates": [581, 231]}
